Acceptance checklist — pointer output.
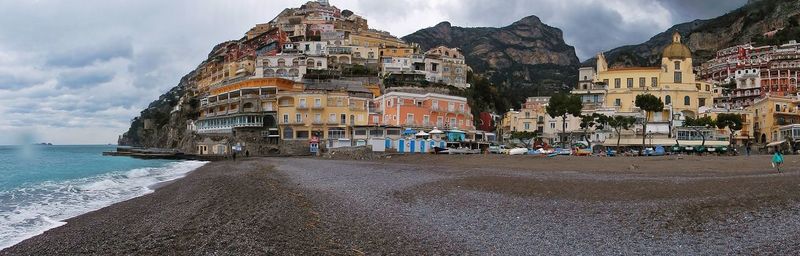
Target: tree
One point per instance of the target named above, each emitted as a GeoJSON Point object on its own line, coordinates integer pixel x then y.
{"type": "Point", "coordinates": [618, 123]}
{"type": "Point", "coordinates": [526, 137]}
{"type": "Point", "coordinates": [706, 122]}
{"type": "Point", "coordinates": [563, 104]}
{"type": "Point", "coordinates": [649, 104]}
{"type": "Point", "coordinates": [730, 120]}
{"type": "Point", "coordinates": [588, 122]}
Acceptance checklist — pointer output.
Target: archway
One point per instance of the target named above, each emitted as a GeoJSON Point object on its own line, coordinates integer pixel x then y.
{"type": "Point", "coordinates": [763, 138]}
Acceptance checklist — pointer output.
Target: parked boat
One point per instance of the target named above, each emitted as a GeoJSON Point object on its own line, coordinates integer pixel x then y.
{"type": "Point", "coordinates": [518, 151]}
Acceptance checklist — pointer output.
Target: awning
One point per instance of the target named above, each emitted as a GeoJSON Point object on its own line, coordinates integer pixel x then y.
{"type": "Point", "coordinates": [663, 142]}
{"type": "Point", "coordinates": [776, 143]}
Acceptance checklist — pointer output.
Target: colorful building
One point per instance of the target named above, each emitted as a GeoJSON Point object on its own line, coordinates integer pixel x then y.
{"type": "Point", "coordinates": [674, 83]}
{"type": "Point", "coordinates": [410, 110]}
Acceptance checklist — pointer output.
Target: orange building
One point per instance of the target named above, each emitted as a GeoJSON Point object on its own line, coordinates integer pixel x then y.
{"type": "Point", "coordinates": [426, 111]}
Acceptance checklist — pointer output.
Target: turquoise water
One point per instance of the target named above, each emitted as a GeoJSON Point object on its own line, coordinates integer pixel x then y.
{"type": "Point", "coordinates": [40, 186]}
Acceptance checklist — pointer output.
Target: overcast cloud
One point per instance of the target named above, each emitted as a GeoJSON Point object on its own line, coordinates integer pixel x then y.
{"type": "Point", "coordinates": [76, 72]}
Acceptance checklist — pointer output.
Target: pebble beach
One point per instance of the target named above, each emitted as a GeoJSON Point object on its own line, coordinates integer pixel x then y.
{"type": "Point", "coordinates": [429, 204]}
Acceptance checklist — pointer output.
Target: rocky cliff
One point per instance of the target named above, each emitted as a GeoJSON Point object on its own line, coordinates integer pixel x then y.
{"type": "Point", "coordinates": [526, 58]}
{"type": "Point", "coordinates": [746, 24]}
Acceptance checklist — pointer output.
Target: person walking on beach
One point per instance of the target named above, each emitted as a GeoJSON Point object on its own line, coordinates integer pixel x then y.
{"type": "Point", "coordinates": [747, 148]}
{"type": "Point", "coordinates": [777, 160]}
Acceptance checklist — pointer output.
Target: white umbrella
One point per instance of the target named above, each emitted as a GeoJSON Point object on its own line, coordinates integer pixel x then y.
{"type": "Point", "coordinates": [422, 134]}
{"type": "Point", "coordinates": [435, 131]}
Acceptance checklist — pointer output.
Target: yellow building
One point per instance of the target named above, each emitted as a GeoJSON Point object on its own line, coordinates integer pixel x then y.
{"type": "Point", "coordinates": [770, 113]}
{"type": "Point", "coordinates": [674, 83]}
{"type": "Point", "coordinates": [743, 135]}
{"type": "Point", "coordinates": [327, 114]}
{"type": "Point", "coordinates": [375, 39]}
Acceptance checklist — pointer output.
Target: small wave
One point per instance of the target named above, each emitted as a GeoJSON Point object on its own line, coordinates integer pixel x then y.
{"type": "Point", "coordinates": [140, 172]}
{"type": "Point", "coordinates": [29, 211]}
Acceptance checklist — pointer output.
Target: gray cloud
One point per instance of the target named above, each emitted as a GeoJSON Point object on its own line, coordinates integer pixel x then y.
{"type": "Point", "coordinates": [87, 54]}
{"type": "Point", "coordinates": [77, 72]}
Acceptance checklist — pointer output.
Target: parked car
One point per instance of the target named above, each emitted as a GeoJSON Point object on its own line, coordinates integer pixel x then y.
{"type": "Point", "coordinates": [498, 149]}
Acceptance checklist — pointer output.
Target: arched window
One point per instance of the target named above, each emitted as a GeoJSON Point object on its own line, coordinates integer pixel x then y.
{"type": "Point", "coordinates": [668, 100]}
{"type": "Point", "coordinates": [295, 62]}
{"type": "Point", "coordinates": [687, 101]}
{"type": "Point", "coordinates": [281, 62]}
{"type": "Point", "coordinates": [310, 63]}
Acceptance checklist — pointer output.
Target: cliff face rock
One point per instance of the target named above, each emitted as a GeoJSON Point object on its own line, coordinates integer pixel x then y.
{"type": "Point", "coordinates": [525, 58]}
{"type": "Point", "coordinates": [746, 24]}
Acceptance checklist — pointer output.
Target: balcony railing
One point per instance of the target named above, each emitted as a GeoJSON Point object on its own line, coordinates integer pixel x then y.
{"type": "Point", "coordinates": [302, 106]}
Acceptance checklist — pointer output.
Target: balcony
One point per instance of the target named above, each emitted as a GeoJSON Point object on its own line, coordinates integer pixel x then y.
{"type": "Point", "coordinates": [317, 107]}
{"type": "Point", "coordinates": [302, 106]}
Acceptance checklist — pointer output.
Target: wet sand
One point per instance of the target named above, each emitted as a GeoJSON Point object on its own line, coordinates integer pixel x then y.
{"type": "Point", "coordinates": [428, 204]}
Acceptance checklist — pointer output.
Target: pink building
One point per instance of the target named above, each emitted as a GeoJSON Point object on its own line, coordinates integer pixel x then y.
{"type": "Point", "coordinates": [410, 110]}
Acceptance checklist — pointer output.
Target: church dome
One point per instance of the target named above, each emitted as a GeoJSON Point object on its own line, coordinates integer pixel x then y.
{"type": "Point", "coordinates": [677, 50]}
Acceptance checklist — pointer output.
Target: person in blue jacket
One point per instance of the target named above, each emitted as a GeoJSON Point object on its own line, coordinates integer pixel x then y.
{"type": "Point", "coordinates": [777, 160]}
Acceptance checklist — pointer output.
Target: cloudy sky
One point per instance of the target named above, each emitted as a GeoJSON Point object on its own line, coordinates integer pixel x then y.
{"type": "Point", "coordinates": [76, 72]}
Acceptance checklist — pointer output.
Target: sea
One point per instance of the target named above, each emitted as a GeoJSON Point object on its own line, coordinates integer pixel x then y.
{"type": "Point", "coordinates": [42, 186]}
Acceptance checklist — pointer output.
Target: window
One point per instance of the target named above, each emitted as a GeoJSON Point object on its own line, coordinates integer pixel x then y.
{"type": "Point", "coordinates": [667, 100]}
{"type": "Point", "coordinates": [677, 65]}
{"type": "Point", "coordinates": [302, 135]}
{"type": "Point", "coordinates": [439, 121]}
{"type": "Point", "coordinates": [605, 82]}
{"type": "Point", "coordinates": [642, 82]}
{"type": "Point", "coordinates": [654, 82]}
{"type": "Point", "coordinates": [552, 125]}
{"type": "Point", "coordinates": [678, 77]}
{"type": "Point", "coordinates": [288, 133]}
{"type": "Point", "coordinates": [617, 83]}
{"type": "Point", "coordinates": [332, 118]}
{"type": "Point", "coordinates": [344, 118]}
{"type": "Point", "coordinates": [687, 101]}
{"type": "Point", "coordinates": [318, 118]}
{"type": "Point", "coordinates": [298, 118]}
{"type": "Point", "coordinates": [317, 103]}
{"type": "Point", "coordinates": [617, 102]}
{"type": "Point", "coordinates": [702, 102]}
{"type": "Point", "coordinates": [527, 126]}
{"type": "Point", "coordinates": [376, 133]}
{"type": "Point", "coordinates": [285, 118]}
{"type": "Point", "coordinates": [630, 82]}
{"type": "Point", "coordinates": [527, 114]}
{"type": "Point", "coordinates": [302, 103]}
{"type": "Point", "coordinates": [426, 120]}
{"type": "Point", "coordinates": [360, 132]}
{"type": "Point", "coordinates": [453, 122]}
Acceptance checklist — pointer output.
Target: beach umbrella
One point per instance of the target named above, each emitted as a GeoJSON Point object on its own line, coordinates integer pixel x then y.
{"type": "Point", "coordinates": [422, 134]}
{"type": "Point", "coordinates": [408, 131]}
{"type": "Point", "coordinates": [436, 131]}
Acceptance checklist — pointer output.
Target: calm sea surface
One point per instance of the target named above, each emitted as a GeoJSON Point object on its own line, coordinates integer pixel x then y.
{"type": "Point", "coordinates": [40, 186]}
